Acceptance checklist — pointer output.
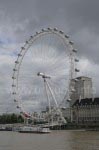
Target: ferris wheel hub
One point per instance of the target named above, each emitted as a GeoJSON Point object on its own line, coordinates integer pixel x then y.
{"type": "Point", "coordinates": [61, 66]}
{"type": "Point", "coordinates": [43, 75]}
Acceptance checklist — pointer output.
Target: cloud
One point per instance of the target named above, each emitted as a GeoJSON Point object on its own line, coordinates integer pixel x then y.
{"type": "Point", "coordinates": [90, 69]}
{"type": "Point", "coordinates": [7, 58]}
{"type": "Point", "coordinates": [78, 18]}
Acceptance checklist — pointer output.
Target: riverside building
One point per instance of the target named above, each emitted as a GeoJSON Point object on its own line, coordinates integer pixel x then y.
{"type": "Point", "coordinates": [82, 88]}
{"type": "Point", "coordinates": [86, 111]}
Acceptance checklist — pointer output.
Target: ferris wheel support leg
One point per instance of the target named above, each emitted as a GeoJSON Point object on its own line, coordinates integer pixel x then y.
{"type": "Point", "coordinates": [48, 102]}
{"type": "Point", "coordinates": [25, 121]}
{"type": "Point", "coordinates": [63, 119]}
{"type": "Point", "coordinates": [47, 97]}
{"type": "Point", "coordinates": [52, 93]}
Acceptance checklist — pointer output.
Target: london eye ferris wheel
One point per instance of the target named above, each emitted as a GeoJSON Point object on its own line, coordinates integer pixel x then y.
{"type": "Point", "coordinates": [43, 70]}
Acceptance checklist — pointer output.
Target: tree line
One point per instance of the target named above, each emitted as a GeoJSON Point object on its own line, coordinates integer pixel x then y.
{"type": "Point", "coordinates": [11, 118]}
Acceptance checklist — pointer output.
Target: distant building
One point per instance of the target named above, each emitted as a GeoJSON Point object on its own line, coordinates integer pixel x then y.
{"type": "Point", "coordinates": [82, 88]}
{"type": "Point", "coordinates": [86, 111]}
{"type": "Point", "coordinates": [66, 112]}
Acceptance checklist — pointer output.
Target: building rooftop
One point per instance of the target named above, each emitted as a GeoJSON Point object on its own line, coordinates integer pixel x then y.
{"type": "Point", "coordinates": [87, 101]}
{"type": "Point", "coordinates": [80, 77]}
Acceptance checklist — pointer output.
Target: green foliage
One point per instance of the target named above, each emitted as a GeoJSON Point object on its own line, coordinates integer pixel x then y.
{"type": "Point", "coordinates": [11, 118]}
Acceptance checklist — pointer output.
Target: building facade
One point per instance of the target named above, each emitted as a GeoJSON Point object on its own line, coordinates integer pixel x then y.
{"type": "Point", "coordinates": [82, 88]}
{"type": "Point", "coordinates": [86, 111]}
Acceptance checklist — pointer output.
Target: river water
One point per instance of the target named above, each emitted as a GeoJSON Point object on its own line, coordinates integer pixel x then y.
{"type": "Point", "coordinates": [56, 140]}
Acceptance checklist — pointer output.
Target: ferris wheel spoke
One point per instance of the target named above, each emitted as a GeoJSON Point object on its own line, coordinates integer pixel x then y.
{"type": "Point", "coordinates": [48, 55]}
{"type": "Point", "coordinates": [28, 76]}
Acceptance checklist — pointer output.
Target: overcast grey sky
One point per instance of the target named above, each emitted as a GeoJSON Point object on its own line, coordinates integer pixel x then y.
{"type": "Point", "coordinates": [21, 18]}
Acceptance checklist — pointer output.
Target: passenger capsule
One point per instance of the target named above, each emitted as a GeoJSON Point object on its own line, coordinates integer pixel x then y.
{"type": "Point", "coordinates": [23, 48]}
{"type": "Point", "coordinates": [61, 32]}
{"type": "Point", "coordinates": [15, 100]}
{"type": "Point", "coordinates": [68, 100]}
{"type": "Point", "coordinates": [43, 30]}
{"type": "Point", "coordinates": [49, 28]}
{"type": "Point", "coordinates": [13, 77]}
{"type": "Point", "coordinates": [55, 29]}
{"type": "Point", "coordinates": [31, 37]}
{"type": "Point", "coordinates": [14, 93]}
{"type": "Point", "coordinates": [77, 70]}
{"type": "Point", "coordinates": [27, 42]}
{"type": "Point", "coordinates": [76, 60]}
{"type": "Point", "coordinates": [13, 85]}
{"type": "Point", "coordinates": [66, 36]}
{"type": "Point", "coordinates": [19, 55]}
{"type": "Point", "coordinates": [71, 42]}
{"type": "Point", "coordinates": [14, 69]}
{"type": "Point", "coordinates": [74, 50]}
{"type": "Point", "coordinates": [37, 33]}
{"type": "Point", "coordinates": [18, 107]}
{"type": "Point", "coordinates": [16, 62]}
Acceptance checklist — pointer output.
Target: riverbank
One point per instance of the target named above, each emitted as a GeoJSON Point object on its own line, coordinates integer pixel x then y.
{"type": "Point", "coordinates": [13, 127]}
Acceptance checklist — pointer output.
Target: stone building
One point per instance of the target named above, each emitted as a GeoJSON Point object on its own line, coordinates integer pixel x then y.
{"type": "Point", "coordinates": [82, 88]}
{"type": "Point", "coordinates": [86, 111]}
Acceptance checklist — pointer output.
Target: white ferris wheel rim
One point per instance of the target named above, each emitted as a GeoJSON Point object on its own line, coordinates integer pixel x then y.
{"type": "Point", "coordinates": [25, 48]}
